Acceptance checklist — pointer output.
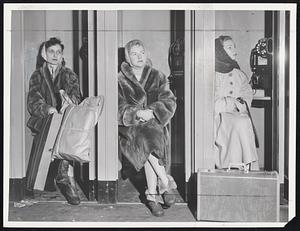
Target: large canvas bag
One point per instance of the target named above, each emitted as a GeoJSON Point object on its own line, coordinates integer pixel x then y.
{"type": "Point", "coordinates": [73, 141]}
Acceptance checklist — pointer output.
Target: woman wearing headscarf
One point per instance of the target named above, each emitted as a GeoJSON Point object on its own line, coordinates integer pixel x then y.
{"type": "Point", "coordinates": [43, 100]}
{"type": "Point", "coordinates": [146, 106]}
{"type": "Point", "coordinates": [234, 132]}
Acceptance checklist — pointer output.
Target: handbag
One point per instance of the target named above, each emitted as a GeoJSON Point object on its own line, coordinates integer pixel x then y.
{"type": "Point", "coordinates": [73, 141]}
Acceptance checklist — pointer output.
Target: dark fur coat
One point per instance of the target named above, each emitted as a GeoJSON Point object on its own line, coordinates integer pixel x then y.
{"type": "Point", "coordinates": [139, 139]}
{"type": "Point", "coordinates": [44, 93]}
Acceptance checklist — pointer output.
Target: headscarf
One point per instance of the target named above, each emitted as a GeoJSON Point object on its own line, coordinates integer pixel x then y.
{"type": "Point", "coordinates": [42, 57]}
{"type": "Point", "coordinates": [223, 63]}
{"type": "Point", "coordinates": [129, 45]}
{"type": "Point", "coordinates": [43, 52]}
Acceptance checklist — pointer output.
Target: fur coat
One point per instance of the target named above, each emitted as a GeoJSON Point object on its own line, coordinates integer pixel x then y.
{"type": "Point", "coordinates": [139, 139]}
{"type": "Point", "coordinates": [43, 94]}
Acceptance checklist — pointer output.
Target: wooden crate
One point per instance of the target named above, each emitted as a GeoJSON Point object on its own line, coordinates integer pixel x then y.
{"type": "Point", "coordinates": [237, 196]}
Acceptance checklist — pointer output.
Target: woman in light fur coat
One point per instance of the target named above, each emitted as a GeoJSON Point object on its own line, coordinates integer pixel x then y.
{"type": "Point", "coordinates": [146, 106]}
{"type": "Point", "coordinates": [234, 132]}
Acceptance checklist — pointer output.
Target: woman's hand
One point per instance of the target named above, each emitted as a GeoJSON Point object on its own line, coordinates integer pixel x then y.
{"type": "Point", "coordinates": [145, 115]}
{"type": "Point", "coordinates": [52, 110]}
{"type": "Point", "coordinates": [241, 105]}
{"type": "Point", "coordinates": [230, 104]}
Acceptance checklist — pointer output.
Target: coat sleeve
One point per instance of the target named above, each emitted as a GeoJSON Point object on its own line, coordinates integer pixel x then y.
{"type": "Point", "coordinates": [72, 87]}
{"type": "Point", "coordinates": [126, 111]}
{"type": "Point", "coordinates": [165, 106]}
{"type": "Point", "coordinates": [36, 103]}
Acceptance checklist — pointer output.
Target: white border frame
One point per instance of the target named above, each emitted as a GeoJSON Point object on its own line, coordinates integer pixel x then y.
{"type": "Point", "coordinates": [6, 96]}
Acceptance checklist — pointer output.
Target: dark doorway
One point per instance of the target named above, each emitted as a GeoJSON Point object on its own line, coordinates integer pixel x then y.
{"type": "Point", "coordinates": [132, 184]}
{"type": "Point", "coordinates": [176, 78]}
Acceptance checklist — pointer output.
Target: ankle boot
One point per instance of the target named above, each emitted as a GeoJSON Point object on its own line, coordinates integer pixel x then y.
{"type": "Point", "coordinates": [64, 184]}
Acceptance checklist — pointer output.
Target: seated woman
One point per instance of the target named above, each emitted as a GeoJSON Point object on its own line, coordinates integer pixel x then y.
{"type": "Point", "coordinates": [146, 105]}
{"type": "Point", "coordinates": [47, 80]}
{"type": "Point", "coordinates": [234, 134]}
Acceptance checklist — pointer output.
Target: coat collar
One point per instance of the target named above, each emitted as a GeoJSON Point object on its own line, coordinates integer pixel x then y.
{"type": "Point", "coordinates": [57, 70]}
{"type": "Point", "coordinates": [128, 73]}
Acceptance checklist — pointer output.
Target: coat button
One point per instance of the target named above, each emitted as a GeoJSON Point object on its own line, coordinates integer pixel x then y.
{"type": "Point", "coordinates": [230, 74]}
{"type": "Point", "coordinates": [230, 92]}
{"type": "Point", "coordinates": [231, 83]}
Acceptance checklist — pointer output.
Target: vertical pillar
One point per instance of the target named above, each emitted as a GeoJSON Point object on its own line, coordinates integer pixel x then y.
{"type": "Point", "coordinates": [107, 140]}
{"type": "Point", "coordinates": [188, 71]}
{"type": "Point", "coordinates": [292, 142]}
{"type": "Point", "coordinates": [199, 97]}
{"type": "Point", "coordinates": [17, 107]}
{"type": "Point", "coordinates": [281, 90]}
{"type": "Point", "coordinates": [204, 89]}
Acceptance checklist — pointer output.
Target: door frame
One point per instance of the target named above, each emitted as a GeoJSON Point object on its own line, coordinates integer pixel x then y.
{"type": "Point", "coordinates": [199, 91]}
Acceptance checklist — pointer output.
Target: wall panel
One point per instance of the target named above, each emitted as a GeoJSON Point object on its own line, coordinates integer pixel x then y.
{"type": "Point", "coordinates": [153, 28]}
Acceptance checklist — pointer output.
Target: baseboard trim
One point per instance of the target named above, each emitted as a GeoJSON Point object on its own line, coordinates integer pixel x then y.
{"type": "Point", "coordinates": [17, 188]}
{"type": "Point", "coordinates": [106, 192]}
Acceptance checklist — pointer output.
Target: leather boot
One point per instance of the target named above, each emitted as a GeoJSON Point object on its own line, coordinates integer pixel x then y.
{"type": "Point", "coordinates": [64, 184]}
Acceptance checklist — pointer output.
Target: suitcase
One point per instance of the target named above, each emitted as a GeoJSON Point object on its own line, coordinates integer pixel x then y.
{"type": "Point", "coordinates": [237, 196]}
{"type": "Point", "coordinates": [46, 155]}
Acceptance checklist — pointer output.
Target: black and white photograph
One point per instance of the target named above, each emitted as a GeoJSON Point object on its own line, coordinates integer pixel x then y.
{"type": "Point", "coordinates": [149, 115]}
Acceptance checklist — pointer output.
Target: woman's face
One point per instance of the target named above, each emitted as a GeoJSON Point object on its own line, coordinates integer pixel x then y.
{"type": "Point", "coordinates": [137, 56]}
{"type": "Point", "coordinates": [230, 49]}
{"type": "Point", "coordinates": [54, 54]}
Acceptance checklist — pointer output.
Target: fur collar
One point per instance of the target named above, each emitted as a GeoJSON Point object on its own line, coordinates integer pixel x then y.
{"type": "Point", "coordinates": [128, 73]}
{"type": "Point", "coordinates": [140, 94]}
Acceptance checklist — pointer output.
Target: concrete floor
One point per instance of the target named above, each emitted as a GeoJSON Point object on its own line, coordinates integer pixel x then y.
{"type": "Point", "coordinates": [93, 212]}
{"type": "Point", "coordinates": [52, 207]}
{"type": "Point", "coordinates": [60, 211]}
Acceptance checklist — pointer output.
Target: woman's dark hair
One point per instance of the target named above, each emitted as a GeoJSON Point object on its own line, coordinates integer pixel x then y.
{"type": "Point", "coordinates": [54, 41]}
{"type": "Point", "coordinates": [224, 38]}
{"type": "Point", "coordinates": [51, 42]}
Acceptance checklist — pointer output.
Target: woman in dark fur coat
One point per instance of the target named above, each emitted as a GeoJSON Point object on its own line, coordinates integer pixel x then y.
{"type": "Point", "coordinates": [146, 106]}
{"type": "Point", "coordinates": [43, 100]}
